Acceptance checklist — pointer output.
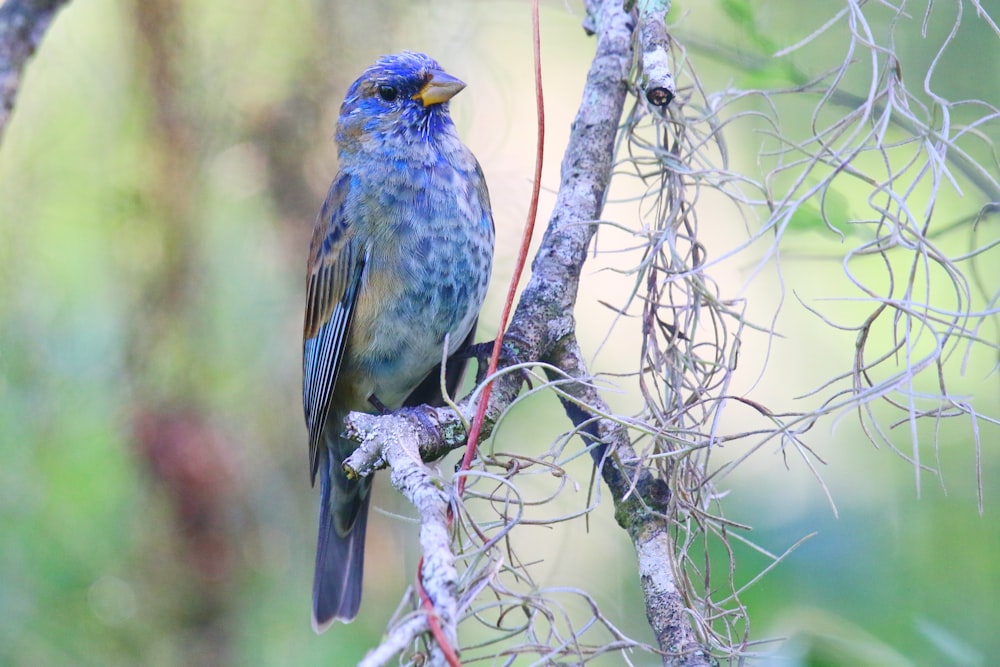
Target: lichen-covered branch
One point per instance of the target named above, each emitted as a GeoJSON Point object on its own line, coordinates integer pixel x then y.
{"type": "Point", "coordinates": [543, 330]}
{"type": "Point", "coordinates": [640, 508]}
{"type": "Point", "coordinates": [22, 25]}
{"type": "Point", "coordinates": [657, 78]}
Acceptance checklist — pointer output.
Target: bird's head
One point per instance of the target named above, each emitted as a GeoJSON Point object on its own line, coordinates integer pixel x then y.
{"type": "Point", "coordinates": [402, 96]}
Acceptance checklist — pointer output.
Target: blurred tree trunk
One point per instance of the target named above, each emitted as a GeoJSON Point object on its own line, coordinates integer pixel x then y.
{"type": "Point", "coordinates": [182, 450]}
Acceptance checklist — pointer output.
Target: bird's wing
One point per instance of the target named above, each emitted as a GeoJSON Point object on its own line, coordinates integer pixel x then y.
{"type": "Point", "coordinates": [483, 194]}
{"type": "Point", "coordinates": [336, 265]}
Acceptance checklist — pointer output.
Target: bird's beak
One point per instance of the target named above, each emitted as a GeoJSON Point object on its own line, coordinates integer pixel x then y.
{"type": "Point", "coordinates": [439, 88]}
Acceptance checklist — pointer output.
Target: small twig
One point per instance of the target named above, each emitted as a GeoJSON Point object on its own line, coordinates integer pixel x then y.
{"type": "Point", "coordinates": [396, 641]}
{"type": "Point", "coordinates": [657, 79]}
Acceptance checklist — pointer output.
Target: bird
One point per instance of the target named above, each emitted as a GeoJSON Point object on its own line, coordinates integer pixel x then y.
{"type": "Point", "coordinates": [399, 263]}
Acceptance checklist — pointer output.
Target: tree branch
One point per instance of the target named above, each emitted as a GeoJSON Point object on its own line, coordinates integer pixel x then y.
{"type": "Point", "coordinates": [657, 79]}
{"type": "Point", "coordinates": [397, 640]}
{"type": "Point", "coordinates": [640, 508]}
{"type": "Point", "coordinates": [22, 25]}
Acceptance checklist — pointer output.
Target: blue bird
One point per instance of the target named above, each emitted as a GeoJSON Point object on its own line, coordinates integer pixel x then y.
{"type": "Point", "coordinates": [400, 259]}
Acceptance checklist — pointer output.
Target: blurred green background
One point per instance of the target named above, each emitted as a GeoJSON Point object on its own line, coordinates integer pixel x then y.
{"type": "Point", "coordinates": [158, 185]}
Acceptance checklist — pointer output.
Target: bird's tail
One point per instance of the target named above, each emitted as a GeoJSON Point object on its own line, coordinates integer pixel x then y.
{"type": "Point", "coordinates": [340, 550]}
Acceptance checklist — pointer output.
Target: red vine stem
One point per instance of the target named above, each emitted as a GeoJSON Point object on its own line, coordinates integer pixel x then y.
{"type": "Point", "coordinates": [522, 255]}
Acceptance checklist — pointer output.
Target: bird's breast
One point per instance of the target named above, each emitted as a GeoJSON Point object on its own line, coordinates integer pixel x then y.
{"type": "Point", "coordinates": [428, 267]}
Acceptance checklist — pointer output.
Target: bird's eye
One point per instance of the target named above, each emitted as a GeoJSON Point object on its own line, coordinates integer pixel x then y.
{"type": "Point", "coordinates": [387, 92]}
